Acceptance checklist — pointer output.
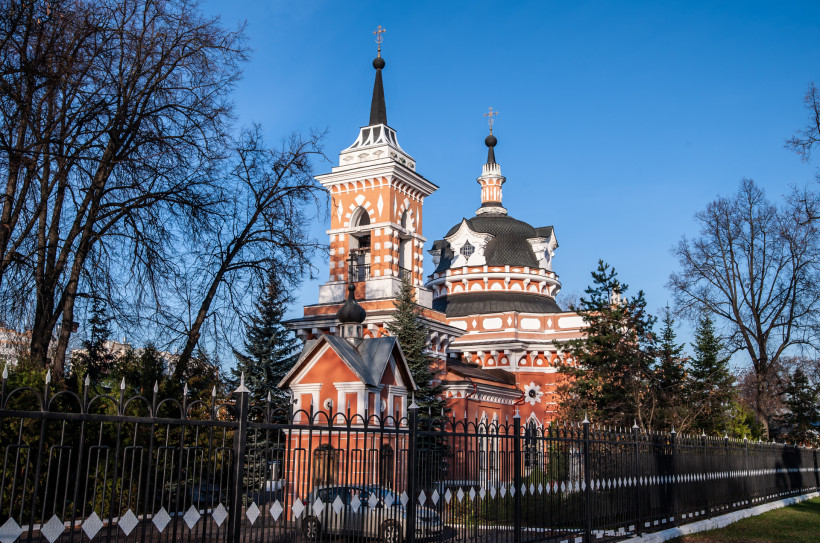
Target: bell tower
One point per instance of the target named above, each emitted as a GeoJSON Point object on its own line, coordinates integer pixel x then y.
{"type": "Point", "coordinates": [376, 215]}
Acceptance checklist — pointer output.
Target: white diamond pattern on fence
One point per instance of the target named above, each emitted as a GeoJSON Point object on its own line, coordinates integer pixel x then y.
{"type": "Point", "coordinates": [128, 522]}
{"type": "Point", "coordinates": [277, 510]}
{"type": "Point", "coordinates": [318, 506]}
{"type": "Point", "coordinates": [191, 517]}
{"type": "Point", "coordinates": [338, 504]}
{"type": "Point", "coordinates": [373, 501]}
{"type": "Point", "coordinates": [422, 498]}
{"type": "Point", "coordinates": [298, 508]}
{"type": "Point", "coordinates": [472, 494]}
{"type": "Point", "coordinates": [503, 490]}
{"type": "Point", "coordinates": [482, 493]}
{"type": "Point", "coordinates": [252, 512]}
{"type": "Point", "coordinates": [10, 531]}
{"type": "Point", "coordinates": [448, 496]}
{"type": "Point", "coordinates": [355, 503]}
{"type": "Point", "coordinates": [92, 525]}
{"type": "Point", "coordinates": [532, 488]}
{"type": "Point", "coordinates": [53, 529]}
{"type": "Point", "coordinates": [388, 500]}
{"type": "Point", "coordinates": [460, 494]}
{"type": "Point", "coordinates": [161, 519]}
{"type": "Point", "coordinates": [541, 488]}
{"type": "Point", "coordinates": [435, 497]}
{"type": "Point", "coordinates": [219, 514]}
{"type": "Point", "coordinates": [492, 491]}
{"type": "Point", "coordinates": [404, 498]}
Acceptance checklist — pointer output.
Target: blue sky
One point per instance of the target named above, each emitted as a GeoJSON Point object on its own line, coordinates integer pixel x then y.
{"type": "Point", "coordinates": [618, 120]}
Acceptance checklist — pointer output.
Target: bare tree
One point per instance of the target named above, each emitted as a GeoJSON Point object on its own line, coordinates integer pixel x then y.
{"type": "Point", "coordinates": [754, 267]}
{"type": "Point", "coordinates": [804, 141]}
{"type": "Point", "coordinates": [262, 230]}
{"type": "Point", "coordinates": [111, 113]}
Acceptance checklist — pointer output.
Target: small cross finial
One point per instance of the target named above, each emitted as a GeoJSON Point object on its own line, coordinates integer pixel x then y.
{"type": "Point", "coordinates": [379, 38]}
{"type": "Point", "coordinates": [491, 118]}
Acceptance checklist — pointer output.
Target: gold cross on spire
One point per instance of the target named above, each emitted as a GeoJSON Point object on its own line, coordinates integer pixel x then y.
{"type": "Point", "coordinates": [490, 118]}
{"type": "Point", "coordinates": [379, 38]}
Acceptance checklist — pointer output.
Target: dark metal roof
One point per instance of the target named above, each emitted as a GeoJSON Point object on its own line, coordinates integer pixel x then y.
{"type": "Point", "coordinates": [509, 245]}
{"type": "Point", "coordinates": [474, 371]}
{"type": "Point", "coordinates": [378, 109]}
{"type": "Point", "coordinates": [480, 303]}
{"type": "Point", "coordinates": [351, 311]}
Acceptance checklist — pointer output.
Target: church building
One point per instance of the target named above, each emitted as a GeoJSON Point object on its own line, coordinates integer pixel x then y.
{"type": "Point", "coordinates": [497, 334]}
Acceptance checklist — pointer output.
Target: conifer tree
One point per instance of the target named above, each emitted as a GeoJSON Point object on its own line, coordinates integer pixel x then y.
{"type": "Point", "coordinates": [711, 381]}
{"type": "Point", "coordinates": [611, 374]}
{"type": "Point", "coordinates": [671, 379]}
{"type": "Point", "coordinates": [804, 412]}
{"type": "Point", "coordinates": [409, 329]}
{"type": "Point", "coordinates": [96, 359]}
{"type": "Point", "coordinates": [271, 349]}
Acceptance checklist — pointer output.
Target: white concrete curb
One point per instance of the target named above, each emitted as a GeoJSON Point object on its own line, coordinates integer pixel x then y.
{"type": "Point", "coordinates": [719, 522]}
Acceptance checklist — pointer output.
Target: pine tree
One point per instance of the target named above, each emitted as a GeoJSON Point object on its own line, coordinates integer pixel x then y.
{"type": "Point", "coordinates": [804, 413]}
{"type": "Point", "coordinates": [409, 329]}
{"type": "Point", "coordinates": [96, 360]}
{"type": "Point", "coordinates": [712, 384]}
{"type": "Point", "coordinates": [611, 374]}
{"type": "Point", "coordinates": [271, 349]}
{"type": "Point", "coordinates": [671, 379]}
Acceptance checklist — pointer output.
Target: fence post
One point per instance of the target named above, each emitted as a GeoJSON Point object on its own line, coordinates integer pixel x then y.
{"type": "Point", "coordinates": [239, 443]}
{"type": "Point", "coordinates": [675, 506]}
{"type": "Point", "coordinates": [587, 487]}
{"type": "Point", "coordinates": [517, 476]}
{"type": "Point", "coordinates": [638, 485]}
{"type": "Point", "coordinates": [704, 470]}
{"type": "Point", "coordinates": [412, 453]}
{"type": "Point", "coordinates": [744, 474]}
{"type": "Point", "coordinates": [816, 471]}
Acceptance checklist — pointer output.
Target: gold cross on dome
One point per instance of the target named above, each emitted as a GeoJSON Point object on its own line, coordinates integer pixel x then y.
{"type": "Point", "coordinates": [490, 118]}
{"type": "Point", "coordinates": [379, 38]}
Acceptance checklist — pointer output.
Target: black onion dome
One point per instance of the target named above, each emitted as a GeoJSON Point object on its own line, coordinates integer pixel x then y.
{"type": "Point", "coordinates": [351, 312]}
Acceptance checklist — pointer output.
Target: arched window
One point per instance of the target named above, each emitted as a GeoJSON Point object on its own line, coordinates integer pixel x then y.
{"type": "Point", "coordinates": [359, 218]}
{"type": "Point", "coordinates": [386, 465]}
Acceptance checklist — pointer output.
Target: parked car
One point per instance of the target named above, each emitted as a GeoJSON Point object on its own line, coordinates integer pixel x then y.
{"type": "Point", "coordinates": [364, 511]}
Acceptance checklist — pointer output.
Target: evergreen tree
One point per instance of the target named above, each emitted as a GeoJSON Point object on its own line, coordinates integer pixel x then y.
{"type": "Point", "coordinates": [611, 374]}
{"type": "Point", "coordinates": [671, 380]}
{"type": "Point", "coordinates": [409, 328]}
{"type": "Point", "coordinates": [95, 360]}
{"type": "Point", "coordinates": [804, 412]}
{"type": "Point", "coordinates": [271, 349]}
{"type": "Point", "coordinates": [712, 384]}
{"type": "Point", "coordinates": [142, 371]}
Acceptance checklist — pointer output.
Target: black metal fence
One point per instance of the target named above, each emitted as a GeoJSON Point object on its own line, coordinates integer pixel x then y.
{"type": "Point", "coordinates": [111, 468]}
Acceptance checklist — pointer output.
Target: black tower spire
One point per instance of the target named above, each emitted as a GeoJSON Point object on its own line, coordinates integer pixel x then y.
{"type": "Point", "coordinates": [378, 110]}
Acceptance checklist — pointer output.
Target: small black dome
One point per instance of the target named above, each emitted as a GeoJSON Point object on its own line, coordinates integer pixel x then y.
{"type": "Point", "coordinates": [351, 312]}
{"type": "Point", "coordinates": [378, 63]}
{"type": "Point", "coordinates": [490, 141]}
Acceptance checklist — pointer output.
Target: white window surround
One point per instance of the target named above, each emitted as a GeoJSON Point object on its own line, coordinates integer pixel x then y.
{"type": "Point", "coordinates": [460, 238]}
{"type": "Point", "coordinates": [544, 249]}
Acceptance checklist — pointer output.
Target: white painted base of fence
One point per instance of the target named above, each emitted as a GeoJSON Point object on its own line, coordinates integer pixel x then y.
{"type": "Point", "coordinates": [721, 521]}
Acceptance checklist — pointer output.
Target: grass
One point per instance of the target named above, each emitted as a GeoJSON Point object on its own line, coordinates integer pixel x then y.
{"type": "Point", "coordinates": [798, 523]}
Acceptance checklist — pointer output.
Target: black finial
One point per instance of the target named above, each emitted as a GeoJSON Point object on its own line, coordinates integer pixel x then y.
{"type": "Point", "coordinates": [351, 312]}
{"type": "Point", "coordinates": [378, 109]}
{"type": "Point", "coordinates": [490, 142]}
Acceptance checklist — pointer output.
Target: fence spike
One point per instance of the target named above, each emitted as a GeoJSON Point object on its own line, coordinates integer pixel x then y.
{"type": "Point", "coordinates": [6, 371]}
{"type": "Point", "coordinates": [635, 426]}
{"type": "Point", "coordinates": [517, 414]}
{"type": "Point", "coordinates": [48, 376]}
{"type": "Point", "coordinates": [268, 398]}
{"type": "Point", "coordinates": [413, 404]}
{"type": "Point", "coordinates": [122, 384]}
{"type": "Point", "coordinates": [586, 420]}
{"type": "Point", "coordinates": [242, 388]}
{"type": "Point", "coordinates": [185, 390]}
{"type": "Point", "coordinates": [213, 392]}
{"type": "Point", "coordinates": [156, 386]}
